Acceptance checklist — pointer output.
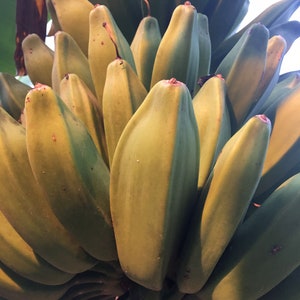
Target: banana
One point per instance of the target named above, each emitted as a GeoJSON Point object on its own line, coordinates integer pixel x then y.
{"type": "Point", "coordinates": [123, 93]}
{"type": "Point", "coordinates": [73, 19]}
{"type": "Point", "coordinates": [282, 159]}
{"type": "Point", "coordinates": [152, 195]}
{"type": "Point", "coordinates": [21, 199]}
{"type": "Point", "coordinates": [213, 124]}
{"type": "Point", "coordinates": [104, 37]}
{"type": "Point", "coordinates": [223, 203]}
{"type": "Point", "coordinates": [21, 258]}
{"type": "Point", "coordinates": [68, 58]}
{"type": "Point", "coordinates": [68, 167]}
{"type": "Point", "coordinates": [144, 48]}
{"type": "Point", "coordinates": [82, 102]}
{"type": "Point", "coordinates": [277, 13]}
{"type": "Point", "coordinates": [250, 58]}
{"type": "Point", "coordinates": [12, 94]}
{"type": "Point", "coordinates": [178, 52]}
{"type": "Point", "coordinates": [265, 250]}
{"type": "Point", "coordinates": [38, 59]}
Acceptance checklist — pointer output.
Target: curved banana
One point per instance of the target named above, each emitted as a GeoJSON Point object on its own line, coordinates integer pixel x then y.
{"type": "Point", "coordinates": [21, 199]}
{"type": "Point", "coordinates": [105, 37]}
{"type": "Point", "coordinates": [223, 203]}
{"type": "Point", "coordinates": [265, 249]}
{"type": "Point", "coordinates": [83, 103]}
{"type": "Point", "coordinates": [72, 18]}
{"type": "Point", "coordinates": [144, 48]}
{"type": "Point", "coordinates": [178, 52]}
{"type": "Point", "coordinates": [152, 195]}
{"type": "Point", "coordinates": [71, 172]}
{"type": "Point", "coordinates": [16, 254]}
{"type": "Point", "coordinates": [38, 59]}
{"type": "Point", "coordinates": [213, 124]}
{"type": "Point", "coordinates": [68, 58]}
{"type": "Point", "coordinates": [122, 95]}
{"type": "Point", "coordinates": [12, 94]}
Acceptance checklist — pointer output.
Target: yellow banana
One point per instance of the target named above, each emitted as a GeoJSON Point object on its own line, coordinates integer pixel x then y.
{"type": "Point", "coordinates": [178, 52]}
{"type": "Point", "coordinates": [122, 95]}
{"type": "Point", "coordinates": [213, 124]}
{"type": "Point", "coordinates": [223, 203]}
{"type": "Point", "coordinates": [83, 103]}
{"type": "Point", "coordinates": [21, 258]}
{"type": "Point", "coordinates": [38, 59]}
{"type": "Point", "coordinates": [21, 199]}
{"type": "Point", "coordinates": [72, 18]}
{"type": "Point", "coordinates": [68, 167]}
{"type": "Point", "coordinates": [68, 58]}
{"type": "Point", "coordinates": [144, 47]}
{"type": "Point", "coordinates": [102, 50]}
{"type": "Point", "coordinates": [12, 94]}
{"type": "Point", "coordinates": [152, 195]}
{"type": "Point", "coordinates": [263, 252]}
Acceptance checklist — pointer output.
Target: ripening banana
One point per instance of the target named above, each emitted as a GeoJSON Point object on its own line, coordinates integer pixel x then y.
{"type": "Point", "coordinates": [70, 170]}
{"type": "Point", "coordinates": [68, 58]}
{"type": "Point", "coordinates": [12, 94]}
{"type": "Point", "coordinates": [24, 205]}
{"type": "Point", "coordinates": [178, 52]}
{"type": "Point", "coordinates": [38, 59]}
{"type": "Point", "coordinates": [213, 124]}
{"type": "Point", "coordinates": [83, 103]}
{"type": "Point", "coordinates": [105, 37]}
{"type": "Point", "coordinates": [154, 182]}
{"type": "Point", "coordinates": [73, 19]}
{"type": "Point", "coordinates": [16, 254]}
{"type": "Point", "coordinates": [123, 93]}
{"type": "Point", "coordinates": [263, 252]}
{"type": "Point", "coordinates": [144, 48]}
{"type": "Point", "coordinates": [223, 203]}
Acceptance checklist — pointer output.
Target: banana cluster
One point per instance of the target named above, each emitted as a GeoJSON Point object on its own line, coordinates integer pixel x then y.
{"type": "Point", "coordinates": [155, 156]}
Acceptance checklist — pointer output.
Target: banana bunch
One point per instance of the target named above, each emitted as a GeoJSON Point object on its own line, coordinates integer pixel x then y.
{"type": "Point", "coordinates": [155, 155]}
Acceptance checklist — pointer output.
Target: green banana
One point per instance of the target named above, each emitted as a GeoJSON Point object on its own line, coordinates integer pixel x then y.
{"type": "Point", "coordinates": [68, 58]}
{"type": "Point", "coordinates": [223, 203]}
{"type": "Point", "coordinates": [250, 58]}
{"type": "Point", "coordinates": [178, 52]}
{"type": "Point", "coordinates": [21, 199]}
{"type": "Point", "coordinates": [68, 167]}
{"type": "Point", "coordinates": [21, 258]}
{"type": "Point", "coordinates": [82, 102]}
{"type": "Point", "coordinates": [152, 195]}
{"type": "Point", "coordinates": [38, 59]}
{"type": "Point", "coordinates": [12, 94]}
{"type": "Point", "coordinates": [123, 93]}
{"type": "Point", "coordinates": [213, 124]}
{"type": "Point", "coordinates": [264, 250]}
{"type": "Point", "coordinates": [144, 48]}
{"type": "Point", "coordinates": [66, 15]}
{"type": "Point", "coordinates": [105, 36]}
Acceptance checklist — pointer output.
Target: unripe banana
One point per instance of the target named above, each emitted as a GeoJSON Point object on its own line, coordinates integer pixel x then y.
{"type": "Point", "coordinates": [122, 95]}
{"type": "Point", "coordinates": [263, 252]}
{"type": "Point", "coordinates": [68, 167]}
{"type": "Point", "coordinates": [154, 182]}
{"type": "Point", "coordinates": [38, 59]}
{"type": "Point", "coordinates": [103, 29]}
{"type": "Point", "coordinates": [68, 58]}
{"type": "Point", "coordinates": [73, 19]}
{"type": "Point", "coordinates": [83, 103]}
{"type": "Point", "coordinates": [213, 124]}
{"type": "Point", "coordinates": [223, 203]}
{"type": "Point", "coordinates": [144, 48]}
{"type": "Point", "coordinates": [21, 258]}
{"type": "Point", "coordinates": [178, 53]}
